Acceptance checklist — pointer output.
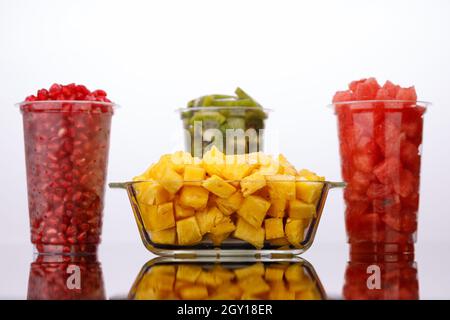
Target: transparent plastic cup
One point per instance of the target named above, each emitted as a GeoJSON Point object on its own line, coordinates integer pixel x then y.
{"type": "Point", "coordinates": [66, 151]}
{"type": "Point", "coordinates": [380, 146]}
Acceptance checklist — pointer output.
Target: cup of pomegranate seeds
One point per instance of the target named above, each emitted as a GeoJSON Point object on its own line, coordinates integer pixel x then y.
{"type": "Point", "coordinates": [380, 136]}
{"type": "Point", "coordinates": [66, 131]}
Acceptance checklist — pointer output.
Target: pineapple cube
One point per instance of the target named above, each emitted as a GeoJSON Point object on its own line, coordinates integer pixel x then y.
{"type": "Point", "coordinates": [148, 212]}
{"type": "Point", "coordinates": [285, 166]}
{"type": "Point", "coordinates": [274, 228]}
{"type": "Point", "coordinates": [150, 192]}
{"type": "Point", "coordinates": [279, 242]}
{"type": "Point", "coordinates": [214, 161]}
{"type": "Point", "coordinates": [253, 210]}
{"type": "Point", "coordinates": [308, 295]}
{"type": "Point", "coordinates": [193, 292]}
{"type": "Point", "coordinates": [281, 186]}
{"type": "Point", "coordinates": [254, 285]}
{"type": "Point", "coordinates": [194, 197]}
{"type": "Point", "coordinates": [227, 291]}
{"type": "Point", "coordinates": [209, 279]}
{"type": "Point", "coordinates": [218, 186]}
{"type": "Point", "coordinates": [158, 281]}
{"type": "Point", "coordinates": [167, 236]}
{"type": "Point", "coordinates": [180, 160]}
{"type": "Point", "coordinates": [188, 231]}
{"type": "Point", "coordinates": [295, 231]}
{"type": "Point", "coordinates": [308, 191]}
{"type": "Point", "coordinates": [171, 180]}
{"type": "Point", "coordinates": [280, 292]}
{"type": "Point", "coordinates": [254, 269]}
{"type": "Point", "coordinates": [249, 233]}
{"type": "Point", "coordinates": [208, 218]}
{"type": "Point", "coordinates": [236, 167]}
{"type": "Point", "coordinates": [225, 274]}
{"type": "Point", "coordinates": [225, 226]}
{"type": "Point", "coordinates": [188, 272]}
{"type": "Point", "coordinates": [217, 239]}
{"type": "Point", "coordinates": [160, 219]}
{"type": "Point", "coordinates": [252, 183]}
{"type": "Point", "coordinates": [301, 210]}
{"type": "Point", "coordinates": [230, 204]}
{"type": "Point", "coordinates": [193, 175]}
{"type": "Point", "coordinates": [294, 273]}
{"type": "Point", "coordinates": [274, 273]}
{"type": "Point", "coordinates": [309, 175]}
{"type": "Point", "coordinates": [277, 208]}
{"type": "Point", "coordinates": [183, 212]}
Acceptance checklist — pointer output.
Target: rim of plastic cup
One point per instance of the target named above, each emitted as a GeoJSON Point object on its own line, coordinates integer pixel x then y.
{"type": "Point", "coordinates": [104, 103]}
{"type": "Point", "coordinates": [353, 102]}
{"type": "Point", "coordinates": [215, 108]}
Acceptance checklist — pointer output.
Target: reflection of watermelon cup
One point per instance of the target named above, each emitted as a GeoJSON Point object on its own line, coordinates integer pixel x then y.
{"type": "Point", "coordinates": [380, 142]}
{"type": "Point", "coordinates": [66, 150]}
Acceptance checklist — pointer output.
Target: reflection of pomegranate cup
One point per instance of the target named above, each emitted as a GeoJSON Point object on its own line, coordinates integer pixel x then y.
{"type": "Point", "coordinates": [66, 149]}
{"type": "Point", "coordinates": [66, 278]}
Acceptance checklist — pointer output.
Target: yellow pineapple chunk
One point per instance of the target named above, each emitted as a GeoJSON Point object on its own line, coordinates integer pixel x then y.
{"type": "Point", "coordinates": [274, 228]}
{"type": "Point", "coordinates": [280, 292]}
{"type": "Point", "coordinates": [217, 239]}
{"type": "Point", "coordinates": [225, 226]}
{"type": "Point", "coordinates": [230, 204]}
{"type": "Point", "coordinates": [194, 197]}
{"type": "Point", "coordinates": [310, 189]}
{"type": "Point", "coordinates": [214, 161]}
{"type": "Point", "coordinates": [295, 231]}
{"type": "Point", "coordinates": [157, 218]}
{"type": "Point", "coordinates": [171, 180]}
{"type": "Point", "coordinates": [188, 272]}
{"type": "Point", "coordinates": [254, 285]}
{"type": "Point", "coordinates": [277, 208]}
{"type": "Point", "coordinates": [254, 269]}
{"type": "Point", "coordinates": [227, 291]}
{"type": "Point", "coordinates": [301, 210]}
{"type": "Point", "coordinates": [249, 233]}
{"type": "Point", "coordinates": [281, 186]}
{"type": "Point", "coordinates": [167, 236]}
{"type": "Point", "coordinates": [223, 273]}
{"type": "Point", "coordinates": [150, 192]}
{"type": "Point", "coordinates": [307, 295]}
{"type": "Point", "coordinates": [158, 281]}
{"type": "Point", "coordinates": [188, 231]}
{"type": "Point", "coordinates": [208, 218]}
{"type": "Point", "coordinates": [285, 166]}
{"type": "Point", "coordinates": [157, 170]}
{"type": "Point", "coordinates": [193, 175]}
{"type": "Point", "coordinates": [193, 292]}
{"type": "Point", "coordinates": [218, 186]}
{"type": "Point", "coordinates": [180, 160]}
{"type": "Point", "coordinates": [294, 273]}
{"type": "Point", "coordinates": [253, 210]}
{"type": "Point", "coordinates": [183, 212]}
{"type": "Point", "coordinates": [309, 175]}
{"type": "Point", "coordinates": [279, 242]}
{"type": "Point", "coordinates": [148, 212]}
{"type": "Point", "coordinates": [274, 273]}
{"type": "Point", "coordinates": [236, 167]}
{"type": "Point", "coordinates": [210, 279]}
{"type": "Point", "coordinates": [252, 183]}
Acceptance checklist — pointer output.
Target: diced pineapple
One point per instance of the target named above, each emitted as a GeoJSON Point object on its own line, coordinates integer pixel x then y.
{"type": "Point", "coordinates": [148, 213]}
{"type": "Point", "coordinates": [180, 160]}
{"type": "Point", "coordinates": [279, 242]}
{"type": "Point", "coordinates": [188, 231]}
{"type": "Point", "coordinates": [223, 273]}
{"type": "Point", "coordinates": [285, 166]}
{"type": "Point", "coordinates": [308, 191]}
{"type": "Point", "coordinates": [274, 228]}
{"type": "Point", "coordinates": [236, 167]}
{"type": "Point", "coordinates": [218, 186]}
{"type": "Point", "coordinates": [274, 273]}
{"type": "Point", "coordinates": [183, 212]}
{"type": "Point", "coordinates": [277, 208]}
{"type": "Point", "coordinates": [208, 218]}
{"type": "Point", "coordinates": [254, 269]}
{"type": "Point", "coordinates": [171, 180]}
{"type": "Point", "coordinates": [252, 183]}
{"type": "Point", "coordinates": [157, 218]}
{"type": "Point", "coordinates": [281, 186]}
{"type": "Point", "coordinates": [167, 236]}
{"type": "Point", "coordinates": [230, 204]}
{"type": "Point", "coordinates": [301, 210]}
{"type": "Point", "coordinates": [249, 233]}
{"type": "Point", "coordinates": [194, 175]}
{"type": "Point", "coordinates": [253, 210]}
{"type": "Point", "coordinates": [164, 269]}
{"type": "Point", "coordinates": [295, 272]}
{"type": "Point", "coordinates": [280, 292]}
{"type": "Point", "coordinates": [295, 231]}
{"type": "Point", "coordinates": [188, 272]}
{"type": "Point", "coordinates": [209, 279]}
{"type": "Point", "coordinates": [193, 292]}
{"type": "Point", "coordinates": [150, 192]}
{"type": "Point", "coordinates": [157, 170]}
{"type": "Point", "coordinates": [269, 169]}
{"type": "Point", "coordinates": [214, 161]}
{"type": "Point", "coordinates": [225, 226]}
{"type": "Point", "coordinates": [217, 239]}
{"type": "Point", "coordinates": [227, 291]}
{"type": "Point", "coordinates": [158, 281]}
{"type": "Point", "coordinates": [307, 295]}
{"type": "Point", "coordinates": [254, 285]}
{"type": "Point", "coordinates": [309, 175]}
{"type": "Point", "coordinates": [194, 197]}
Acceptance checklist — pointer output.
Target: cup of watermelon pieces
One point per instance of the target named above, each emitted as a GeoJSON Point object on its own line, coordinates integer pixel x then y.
{"type": "Point", "coordinates": [380, 138]}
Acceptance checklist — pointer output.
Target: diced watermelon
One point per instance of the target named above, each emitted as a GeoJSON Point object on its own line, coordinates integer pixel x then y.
{"type": "Point", "coordinates": [378, 191]}
{"type": "Point", "coordinates": [353, 195]}
{"type": "Point", "coordinates": [383, 94]}
{"type": "Point", "coordinates": [360, 181]}
{"type": "Point", "coordinates": [391, 88]}
{"type": "Point", "coordinates": [410, 156]}
{"type": "Point", "coordinates": [387, 170]}
{"type": "Point", "coordinates": [404, 222]}
{"type": "Point", "coordinates": [343, 96]}
{"type": "Point", "coordinates": [364, 162]}
{"type": "Point", "coordinates": [405, 183]}
{"type": "Point", "coordinates": [411, 201]}
{"type": "Point", "coordinates": [354, 84]}
{"type": "Point", "coordinates": [390, 203]}
{"type": "Point", "coordinates": [407, 94]}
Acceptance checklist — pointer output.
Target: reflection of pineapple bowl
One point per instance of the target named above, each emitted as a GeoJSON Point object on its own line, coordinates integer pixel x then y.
{"type": "Point", "coordinates": [226, 201]}
{"type": "Point", "coordinates": [191, 279]}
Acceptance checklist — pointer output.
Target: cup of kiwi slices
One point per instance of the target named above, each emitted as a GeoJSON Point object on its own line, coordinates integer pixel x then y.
{"type": "Point", "coordinates": [233, 123]}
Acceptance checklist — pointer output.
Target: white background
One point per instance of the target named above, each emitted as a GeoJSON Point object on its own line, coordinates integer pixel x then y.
{"type": "Point", "coordinates": [153, 56]}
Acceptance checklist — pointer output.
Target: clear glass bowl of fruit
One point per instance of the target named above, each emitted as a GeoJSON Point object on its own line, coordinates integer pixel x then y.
{"type": "Point", "coordinates": [235, 124]}
{"type": "Point", "coordinates": [227, 204]}
{"type": "Point", "coordinates": [168, 278]}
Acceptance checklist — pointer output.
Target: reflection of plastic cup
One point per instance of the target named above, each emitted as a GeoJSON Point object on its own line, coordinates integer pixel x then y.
{"type": "Point", "coordinates": [54, 277]}
{"type": "Point", "coordinates": [380, 144]}
{"type": "Point", "coordinates": [66, 150]}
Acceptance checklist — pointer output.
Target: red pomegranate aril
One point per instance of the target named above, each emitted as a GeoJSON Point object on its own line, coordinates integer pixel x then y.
{"type": "Point", "coordinates": [63, 146]}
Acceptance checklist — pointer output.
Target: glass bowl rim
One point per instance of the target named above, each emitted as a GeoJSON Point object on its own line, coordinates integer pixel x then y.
{"type": "Point", "coordinates": [43, 102]}
{"type": "Point", "coordinates": [421, 103]}
{"type": "Point", "coordinates": [215, 108]}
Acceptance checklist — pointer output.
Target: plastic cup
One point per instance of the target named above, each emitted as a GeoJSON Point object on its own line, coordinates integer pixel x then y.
{"type": "Point", "coordinates": [66, 151]}
{"type": "Point", "coordinates": [380, 148]}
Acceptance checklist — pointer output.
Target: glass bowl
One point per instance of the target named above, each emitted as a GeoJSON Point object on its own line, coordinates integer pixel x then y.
{"type": "Point", "coordinates": [167, 278]}
{"type": "Point", "coordinates": [297, 224]}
